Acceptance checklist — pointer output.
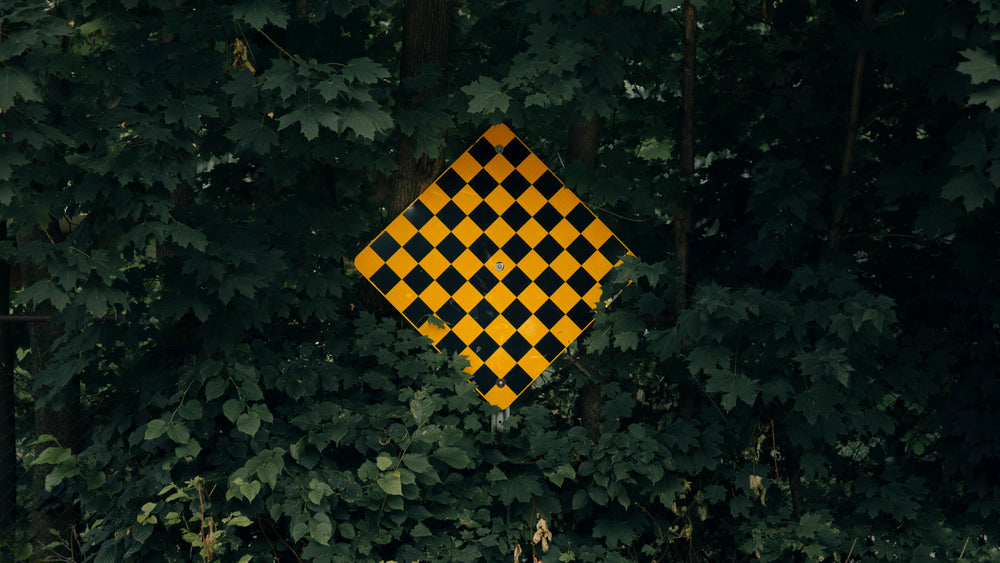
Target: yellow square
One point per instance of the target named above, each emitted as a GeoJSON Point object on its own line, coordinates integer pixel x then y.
{"type": "Point", "coordinates": [467, 264]}
{"type": "Point", "coordinates": [597, 233]}
{"type": "Point", "coordinates": [566, 331]}
{"type": "Point", "coordinates": [500, 362]}
{"type": "Point", "coordinates": [500, 330]}
{"type": "Point", "coordinates": [597, 265]}
{"type": "Point", "coordinates": [434, 198]}
{"type": "Point", "coordinates": [401, 297]}
{"type": "Point", "coordinates": [466, 166]}
{"type": "Point", "coordinates": [467, 329]}
{"type": "Point", "coordinates": [434, 231]}
{"type": "Point", "coordinates": [531, 168]}
{"type": "Point", "coordinates": [499, 232]}
{"type": "Point", "coordinates": [467, 231]}
{"type": "Point", "coordinates": [499, 168]}
{"type": "Point", "coordinates": [435, 333]}
{"type": "Point", "coordinates": [565, 234]}
{"type": "Point", "coordinates": [467, 200]}
{"type": "Point", "coordinates": [500, 297]}
{"type": "Point", "coordinates": [532, 297]}
{"type": "Point", "coordinates": [467, 297]}
{"type": "Point", "coordinates": [401, 229]}
{"type": "Point", "coordinates": [564, 201]}
{"type": "Point", "coordinates": [434, 296]}
{"type": "Point", "coordinates": [401, 263]}
{"type": "Point", "coordinates": [531, 232]}
{"type": "Point", "coordinates": [533, 363]}
{"type": "Point", "coordinates": [499, 200]}
{"type": "Point", "coordinates": [532, 264]}
{"type": "Point", "coordinates": [565, 297]}
{"type": "Point", "coordinates": [368, 262]}
{"type": "Point", "coordinates": [593, 296]}
{"type": "Point", "coordinates": [434, 264]}
{"type": "Point", "coordinates": [565, 265]}
{"type": "Point", "coordinates": [532, 201]}
{"type": "Point", "coordinates": [499, 135]}
{"type": "Point", "coordinates": [500, 396]}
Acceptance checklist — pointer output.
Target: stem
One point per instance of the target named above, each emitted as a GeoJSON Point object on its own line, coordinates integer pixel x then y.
{"type": "Point", "coordinates": [682, 218]}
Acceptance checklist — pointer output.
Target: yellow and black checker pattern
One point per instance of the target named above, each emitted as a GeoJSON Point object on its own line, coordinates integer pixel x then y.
{"type": "Point", "coordinates": [501, 251]}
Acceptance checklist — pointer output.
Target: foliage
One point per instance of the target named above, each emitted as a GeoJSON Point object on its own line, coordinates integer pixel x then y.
{"type": "Point", "coordinates": [813, 400]}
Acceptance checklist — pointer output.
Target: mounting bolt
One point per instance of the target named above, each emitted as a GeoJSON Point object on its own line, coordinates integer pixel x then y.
{"type": "Point", "coordinates": [499, 148]}
{"type": "Point", "coordinates": [501, 383]}
{"type": "Point", "coordinates": [498, 266]}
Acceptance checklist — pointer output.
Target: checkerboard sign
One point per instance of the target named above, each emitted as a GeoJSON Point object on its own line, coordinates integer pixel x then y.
{"type": "Point", "coordinates": [506, 258]}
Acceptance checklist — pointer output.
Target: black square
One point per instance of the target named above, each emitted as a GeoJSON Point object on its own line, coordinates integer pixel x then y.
{"type": "Point", "coordinates": [515, 152]}
{"type": "Point", "coordinates": [418, 279]}
{"type": "Point", "coordinates": [450, 247]}
{"type": "Point", "coordinates": [450, 182]}
{"type": "Point", "coordinates": [515, 184]}
{"type": "Point", "coordinates": [451, 215]}
{"type": "Point", "coordinates": [549, 281]}
{"type": "Point", "coordinates": [418, 214]}
{"type": "Point", "coordinates": [484, 346]}
{"type": "Point", "coordinates": [581, 282]}
{"type": "Point", "coordinates": [485, 379]}
{"type": "Point", "coordinates": [548, 184]}
{"type": "Point", "coordinates": [517, 380]}
{"type": "Point", "coordinates": [385, 246]}
{"type": "Point", "coordinates": [450, 280]}
{"type": "Point", "coordinates": [484, 280]}
{"type": "Point", "coordinates": [515, 216]}
{"type": "Point", "coordinates": [516, 281]}
{"type": "Point", "coordinates": [417, 312]}
{"type": "Point", "coordinates": [418, 247]}
{"type": "Point", "coordinates": [613, 250]}
{"type": "Point", "coordinates": [581, 314]}
{"type": "Point", "coordinates": [580, 217]}
{"type": "Point", "coordinates": [516, 313]}
{"type": "Point", "coordinates": [483, 184]}
{"type": "Point", "coordinates": [581, 249]}
{"type": "Point", "coordinates": [548, 248]}
{"type": "Point", "coordinates": [451, 312]}
{"type": "Point", "coordinates": [484, 248]}
{"type": "Point", "coordinates": [484, 313]}
{"type": "Point", "coordinates": [549, 347]}
{"type": "Point", "coordinates": [548, 217]}
{"type": "Point", "coordinates": [516, 248]}
{"type": "Point", "coordinates": [385, 279]}
{"type": "Point", "coordinates": [516, 346]}
{"type": "Point", "coordinates": [483, 151]}
{"type": "Point", "coordinates": [451, 344]}
{"type": "Point", "coordinates": [483, 215]}
{"type": "Point", "coordinates": [549, 314]}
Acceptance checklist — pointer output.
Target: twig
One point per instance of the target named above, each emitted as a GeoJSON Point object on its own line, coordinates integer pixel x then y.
{"type": "Point", "coordinates": [774, 452]}
{"type": "Point", "coordinates": [848, 558]}
{"type": "Point", "coordinates": [280, 48]}
{"type": "Point", "coordinates": [963, 549]}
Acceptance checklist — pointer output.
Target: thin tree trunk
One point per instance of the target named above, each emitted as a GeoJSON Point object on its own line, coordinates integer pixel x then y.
{"type": "Point", "coordinates": [847, 162]}
{"type": "Point", "coordinates": [59, 418]}
{"type": "Point", "coordinates": [8, 439]}
{"type": "Point", "coordinates": [426, 35]}
{"type": "Point", "coordinates": [682, 217]}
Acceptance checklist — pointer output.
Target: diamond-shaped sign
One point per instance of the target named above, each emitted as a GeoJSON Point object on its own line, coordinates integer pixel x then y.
{"type": "Point", "coordinates": [505, 255]}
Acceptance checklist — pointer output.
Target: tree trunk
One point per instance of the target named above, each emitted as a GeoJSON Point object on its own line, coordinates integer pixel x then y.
{"type": "Point", "coordinates": [59, 417]}
{"type": "Point", "coordinates": [682, 217]}
{"type": "Point", "coordinates": [426, 33]}
{"type": "Point", "coordinates": [8, 440]}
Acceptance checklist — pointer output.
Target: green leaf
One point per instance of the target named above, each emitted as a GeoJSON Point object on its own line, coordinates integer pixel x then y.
{"type": "Point", "coordinates": [416, 462]}
{"type": "Point", "coordinates": [364, 70]}
{"type": "Point", "coordinates": [41, 291]}
{"type": "Point", "coordinates": [215, 387]}
{"type": "Point", "coordinates": [253, 133]}
{"type": "Point", "coordinates": [391, 483]}
{"type": "Point", "coordinates": [190, 409]}
{"type": "Point", "coordinates": [421, 531]}
{"type": "Point", "coordinates": [155, 428]}
{"type": "Point", "coordinates": [981, 65]}
{"type": "Point", "coordinates": [347, 531]}
{"type": "Point", "coordinates": [561, 473]}
{"type": "Point", "coordinates": [383, 461]}
{"type": "Point", "coordinates": [232, 408]}
{"type": "Point", "coordinates": [259, 13]}
{"type": "Point", "coordinates": [16, 82]}
{"type": "Point", "coordinates": [421, 406]}
{"type": "Point", "coordinates": [249, 490]}
{"type": "Point", "coordinates": [487, 96]}
{"type": "Point", "coordinates": [453, 456]}
{"type": "Point", "coordinates": [53, 455]}
{"type": "Point", "coordinates": [733, 386]}
{"type": "Point", "coordinates": [310, 117]}
{"type": "Point", "coordinates": [972, 188]}
{"type": "Point", "coordinates": [320, 528]}
{"type": "Point", "coordinates": [365, 120]}
{"type": "Point", "coordinates": [248, 423]}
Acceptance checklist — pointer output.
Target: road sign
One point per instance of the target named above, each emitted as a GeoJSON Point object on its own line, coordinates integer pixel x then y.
{"type": "Point", "coordinates": [506, 258]}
